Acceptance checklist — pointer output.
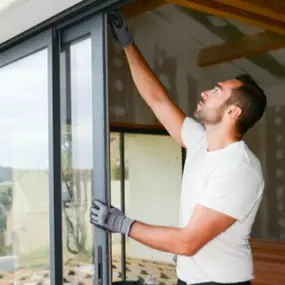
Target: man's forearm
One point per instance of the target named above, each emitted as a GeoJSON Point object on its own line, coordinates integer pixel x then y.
{"type": "Point", "coordinates": [145, 80]}
{"type": "Point", "coordinates": [167, 239]}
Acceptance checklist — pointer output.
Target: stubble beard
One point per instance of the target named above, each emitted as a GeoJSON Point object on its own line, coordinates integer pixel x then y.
{"type": "Point", "coordinates": [208, 118]}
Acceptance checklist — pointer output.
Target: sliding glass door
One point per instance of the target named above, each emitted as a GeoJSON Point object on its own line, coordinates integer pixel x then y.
{"type": "Point", "coordinates": [84, 156]}
{"type": "Point", "coordinates": [77, 158]}
{"type": "Point", "coordinates": [54, 156]}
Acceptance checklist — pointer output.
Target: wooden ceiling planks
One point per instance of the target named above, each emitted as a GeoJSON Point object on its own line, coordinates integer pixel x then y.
{"type": "Point", "coordinates": [259, 13]}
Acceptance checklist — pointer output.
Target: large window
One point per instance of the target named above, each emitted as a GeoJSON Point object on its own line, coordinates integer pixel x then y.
{"type": "Point", "coordinates": [24, 168]}
{"type": "Point", "coordinates": [54, 155]}
{"type": "Point", "coordinates": [60, 92]}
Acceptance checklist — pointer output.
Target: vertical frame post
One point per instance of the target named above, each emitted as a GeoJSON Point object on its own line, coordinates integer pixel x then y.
{"type": "Point", "coordinates": [101, 132]}
{"type": "Point", "coordinates": [56, 271]}
{"type": "Point", "coordinates": [123, 206]}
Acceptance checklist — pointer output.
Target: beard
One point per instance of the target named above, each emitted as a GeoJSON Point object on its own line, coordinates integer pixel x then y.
{"type": "Point", "coordinates": [209, 116]}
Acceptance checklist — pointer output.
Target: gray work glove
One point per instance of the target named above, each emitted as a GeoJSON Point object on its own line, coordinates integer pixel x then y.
{"type": "Point", "coordinates": [109, 218]}
{"type": "Point", "coordinates": [119, 28]}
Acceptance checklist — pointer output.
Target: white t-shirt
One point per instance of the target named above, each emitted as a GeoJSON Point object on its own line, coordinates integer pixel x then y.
{"type": "Point", "coordinates": [229, 180]}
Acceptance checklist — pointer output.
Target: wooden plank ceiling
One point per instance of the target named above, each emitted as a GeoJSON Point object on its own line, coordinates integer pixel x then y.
{"type": "Point", "coordinates": [267, 15]}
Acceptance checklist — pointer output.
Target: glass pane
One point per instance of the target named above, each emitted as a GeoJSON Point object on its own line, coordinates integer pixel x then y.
{"type": "Point", "coordinates": [77, 162]}
{"type": "Point", "coordinates": [24, 171]}
{"type": "Point", "coordinates": [116, 201]}
{"type": "Point", "coordinates": [154, 177]}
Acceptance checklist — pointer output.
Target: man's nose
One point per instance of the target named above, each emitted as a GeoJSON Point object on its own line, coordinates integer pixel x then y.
{"type": "Point", "coordinates": [204, 95]}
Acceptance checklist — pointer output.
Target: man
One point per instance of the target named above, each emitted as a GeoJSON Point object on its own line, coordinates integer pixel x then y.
{"type": "Point", "coordinates": [222, 181]}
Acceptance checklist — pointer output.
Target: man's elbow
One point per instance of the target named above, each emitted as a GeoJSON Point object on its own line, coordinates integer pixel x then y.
{"type": "Point", "coordinates": [189, 246]}
{"type": "Point", "coordinates": [188, 249]}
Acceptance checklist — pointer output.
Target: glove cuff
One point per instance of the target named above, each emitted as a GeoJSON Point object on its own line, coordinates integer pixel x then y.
{"type": "Point", "coordinates": [127, 41]}
{"type": "Point", "coordinates": [126, 226]}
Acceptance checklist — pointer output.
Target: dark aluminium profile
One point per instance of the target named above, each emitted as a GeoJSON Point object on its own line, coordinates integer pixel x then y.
{"type": "Point", "coordinates": [72, 15]}
{"type": "Point", "coordinates": [101, 141]}
{"type": "Point", "coordinates": [56, 267]}
{"type": "Point", "coordinates": [26, 48]}
{"type": "Point", "coordinates": [123, 208]}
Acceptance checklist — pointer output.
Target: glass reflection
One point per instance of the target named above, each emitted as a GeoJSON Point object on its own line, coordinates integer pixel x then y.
{"type": "Point", "coordinates": [24, 171]}
{"type": "Point", "coordinates": [77, 162]}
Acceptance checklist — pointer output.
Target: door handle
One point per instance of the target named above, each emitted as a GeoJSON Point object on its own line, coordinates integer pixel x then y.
{"type": "Point", "coordinates": [99, 273]}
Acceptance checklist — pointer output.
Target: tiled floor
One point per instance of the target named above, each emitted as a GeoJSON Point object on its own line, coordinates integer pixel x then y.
{"type": "Point", "coordinates": [81, 274]}
{"type": "Point", "coordinates": [140, 269]}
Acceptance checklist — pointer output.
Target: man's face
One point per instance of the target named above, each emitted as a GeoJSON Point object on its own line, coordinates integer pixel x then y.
{"type": "Point", "coordinates": [211, 108]}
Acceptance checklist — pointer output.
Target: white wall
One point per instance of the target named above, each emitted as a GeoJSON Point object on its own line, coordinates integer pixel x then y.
{"type": "Point", "coordinates": [25, 14]}
{"type": "Point", "coordinates": [154, 187]}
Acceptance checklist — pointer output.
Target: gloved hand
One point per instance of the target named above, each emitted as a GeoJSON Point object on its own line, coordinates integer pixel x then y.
{"type": "Point", "coordinates": [119, 28]}
{"type": "Point", "coordinates": [109, 218]}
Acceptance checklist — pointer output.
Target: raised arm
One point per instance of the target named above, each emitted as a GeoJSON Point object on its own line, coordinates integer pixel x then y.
{"type": "Point", "coordinates": [147, 83]}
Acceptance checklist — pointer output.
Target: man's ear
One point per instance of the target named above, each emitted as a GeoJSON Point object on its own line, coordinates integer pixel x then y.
{"type": "Point", "coordinates": [234, 112]}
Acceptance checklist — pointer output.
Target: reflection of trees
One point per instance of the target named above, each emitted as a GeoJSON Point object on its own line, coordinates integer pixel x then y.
{"type": "Point", "coordinates": [6, 198]}
{"type": "Point", "coordinates": [74, 211]}
{"type": "Point", "coordinates": [5, 174]}
{"type": "Point", "coordinates": [116, 157]}
{"type": "Point", "coordinates": [74, 199]}
{"type": "Point", "coordinates": [5, 208]}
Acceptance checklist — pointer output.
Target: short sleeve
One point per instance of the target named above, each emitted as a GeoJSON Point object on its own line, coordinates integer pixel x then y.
{"type": "Point", "coordinates": [192, 132]}
{"type": "Point", "coordinates": [233, 191]}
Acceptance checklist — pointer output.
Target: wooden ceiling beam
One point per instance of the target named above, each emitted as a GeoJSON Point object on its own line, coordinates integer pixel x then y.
{"type": "Point", "coordinates": [239, 10]}
{"type": "Point", "coordinates": [274, 9]}
{"type": "Point", "coordinates": [241, 48]}
{"type": "Point", "coordinates": [225, 11]}
{"type": "Point", "coordinates": [138, 7]}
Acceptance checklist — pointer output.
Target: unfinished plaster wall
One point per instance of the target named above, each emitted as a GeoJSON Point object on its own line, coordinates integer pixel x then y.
{"type": "Point", "coordinates": [167, 38]}
{"type": "Point", "coordinates": [170, 64]}
{"type": "Point", "coordinates": [266, 139]}
{"type": "Point", "coordinates": [272, 214]}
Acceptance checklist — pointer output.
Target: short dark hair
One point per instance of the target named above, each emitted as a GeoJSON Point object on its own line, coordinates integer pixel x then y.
{"type": "Point", "coordinates": [251, 99]}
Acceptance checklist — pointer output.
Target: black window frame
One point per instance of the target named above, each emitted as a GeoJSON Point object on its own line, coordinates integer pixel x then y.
{"type": "Point", "coordinates": [85, 18]}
